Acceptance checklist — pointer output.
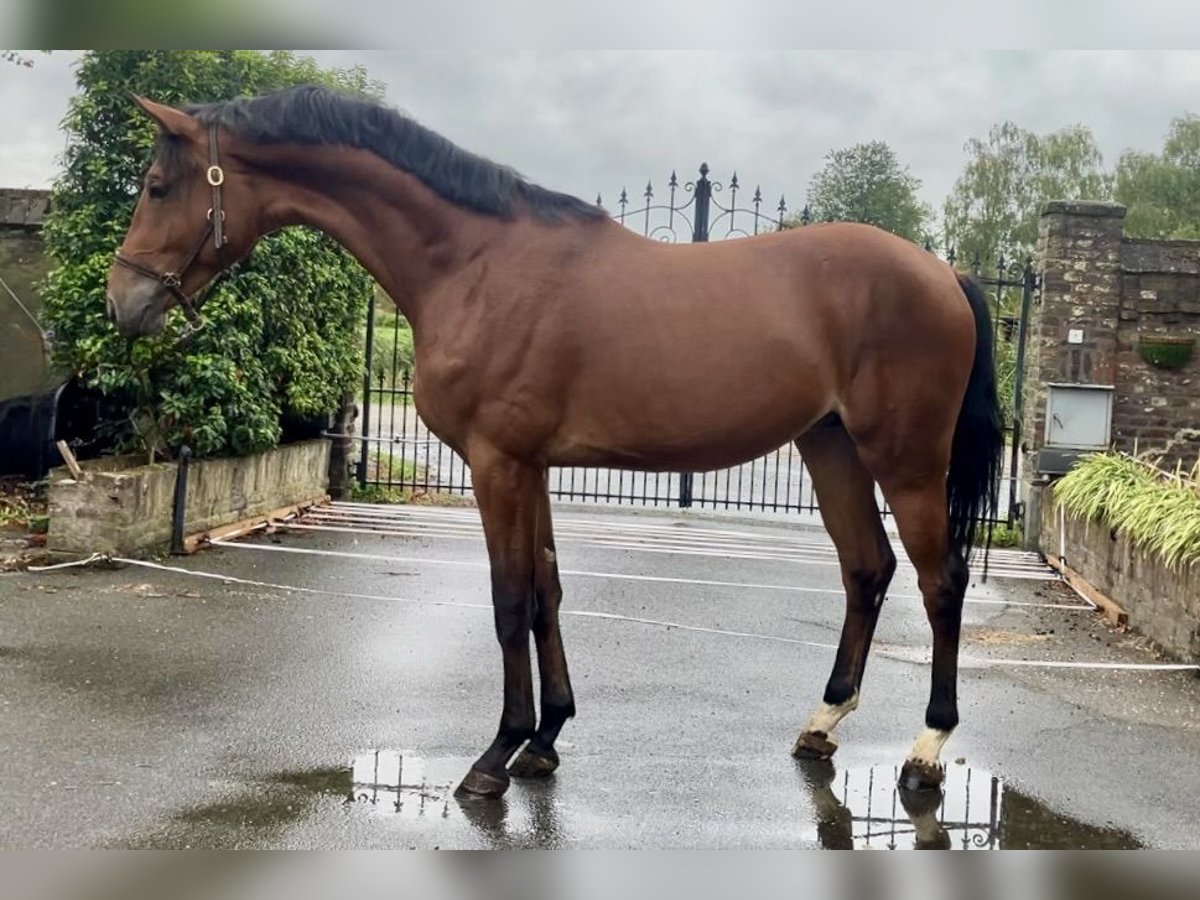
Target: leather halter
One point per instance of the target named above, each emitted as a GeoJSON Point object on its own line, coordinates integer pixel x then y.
{"type": "Point", "coordinates": [215, 225]}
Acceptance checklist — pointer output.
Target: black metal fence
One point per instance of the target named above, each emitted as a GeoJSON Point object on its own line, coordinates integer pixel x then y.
{"type": "Point", "coordinates": [1012, 287]}
{"type": "Point", "coordinates": [399, 453]}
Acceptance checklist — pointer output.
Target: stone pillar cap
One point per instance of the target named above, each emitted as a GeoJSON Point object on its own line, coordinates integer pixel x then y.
{"type": "Point", "coordinates": [1093, 208]}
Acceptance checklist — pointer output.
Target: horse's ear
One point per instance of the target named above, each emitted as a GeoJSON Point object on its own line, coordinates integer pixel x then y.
{"type": "Point", "coordinates": [169, 119]}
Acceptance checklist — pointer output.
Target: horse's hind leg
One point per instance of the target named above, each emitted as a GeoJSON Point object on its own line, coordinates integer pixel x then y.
{"type": "Point", "coordinates": [846, 495]}
{"type": "Point", "coordinates": [922, 519]}
{"type": "Point", "coordinates": [539, 758]}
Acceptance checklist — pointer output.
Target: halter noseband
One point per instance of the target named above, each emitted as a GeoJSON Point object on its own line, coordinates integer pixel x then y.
{"type": "Point", "coordinates": [173, 281]}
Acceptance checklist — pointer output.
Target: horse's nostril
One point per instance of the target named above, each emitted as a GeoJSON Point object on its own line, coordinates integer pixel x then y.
{"type": "Point", "coordinates": [110, 309]}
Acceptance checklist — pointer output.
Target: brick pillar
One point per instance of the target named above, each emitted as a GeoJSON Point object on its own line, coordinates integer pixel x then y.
{"type": "Point", "coordinates": [1079, 251]}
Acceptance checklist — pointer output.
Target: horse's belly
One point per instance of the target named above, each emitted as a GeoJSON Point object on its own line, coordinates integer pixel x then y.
{"type": "Point", "coordinates": [687, 437]}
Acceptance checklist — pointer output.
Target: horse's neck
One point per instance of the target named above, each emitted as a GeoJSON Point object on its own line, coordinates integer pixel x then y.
{"type": "Point", "coordinates": [406, 236]}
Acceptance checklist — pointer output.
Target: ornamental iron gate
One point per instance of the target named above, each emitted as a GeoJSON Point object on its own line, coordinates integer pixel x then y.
{"type": "Point", "coordinates": [399, 454]}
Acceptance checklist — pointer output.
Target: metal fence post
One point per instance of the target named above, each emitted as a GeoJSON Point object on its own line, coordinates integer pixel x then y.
{"type": "Point", "coordinates": [1028, 285]}
{"type": "Point", "coordinates": [703, 193]}
{"type": "Point", "coordinates": [366, 407]}
{"type": "Point", "coordinates": [179, 507]}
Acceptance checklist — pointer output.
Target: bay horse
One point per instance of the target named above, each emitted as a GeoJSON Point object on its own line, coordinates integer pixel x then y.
{"type": "Point", "coordinates": [546, 334]}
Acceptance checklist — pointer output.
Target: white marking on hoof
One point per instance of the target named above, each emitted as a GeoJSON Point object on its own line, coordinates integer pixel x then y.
{"type": "Point", "coordinates": [827, 717]}
{"type": "Point", "coordinates": [928, 746]}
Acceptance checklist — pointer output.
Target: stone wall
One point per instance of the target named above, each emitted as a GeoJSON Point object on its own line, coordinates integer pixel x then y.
{"type": "Point", "coordinates": [1115, 291]}
{"type": "Point", "coordinates": [1163, 604]}
{"type": "Point", "coordinates": [122, 506]}
{"type": "Point", "coordinates": [1160, 294]}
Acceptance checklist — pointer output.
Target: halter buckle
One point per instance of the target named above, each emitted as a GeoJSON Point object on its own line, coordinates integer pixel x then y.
{"type": "Point", "coordinates": [171, 280]}
{"type": "Point", "coordinates": [215, 175]}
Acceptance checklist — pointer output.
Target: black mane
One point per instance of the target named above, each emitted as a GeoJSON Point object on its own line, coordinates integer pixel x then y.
{"type": "Point", "coordinates": [310, 114]}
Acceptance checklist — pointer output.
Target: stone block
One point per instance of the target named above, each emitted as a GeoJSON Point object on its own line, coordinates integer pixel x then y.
{"type": "Point", "coordinates": [122, 507]}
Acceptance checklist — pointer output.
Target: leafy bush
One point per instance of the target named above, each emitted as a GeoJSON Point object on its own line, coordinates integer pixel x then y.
{"type": "Point", "coordinates": [1158, 510]}
{"type": "Point", "coordinates": [282, 338]}
{"type": "Point", "coordinates": [1003, 535]}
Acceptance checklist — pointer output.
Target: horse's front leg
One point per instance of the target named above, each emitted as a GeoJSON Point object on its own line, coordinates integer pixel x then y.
{"type": "Point", "coordinates": [539, 757]}
{"type": "Point", "coordinates": [508, 492]}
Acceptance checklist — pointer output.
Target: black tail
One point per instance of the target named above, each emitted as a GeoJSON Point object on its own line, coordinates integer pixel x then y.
{"type": "Point", "coordinates": [974, 480]}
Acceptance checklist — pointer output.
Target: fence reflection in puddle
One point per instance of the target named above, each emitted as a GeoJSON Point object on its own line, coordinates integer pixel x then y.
{"type": "Point", "coordinates": [396, 783]}
{"type": "Point", "coordinates": [865, 809]}
{"type": "Point", "coordinates": [974, 810]}
{"type": "Point", "coordinates": [851, 808]}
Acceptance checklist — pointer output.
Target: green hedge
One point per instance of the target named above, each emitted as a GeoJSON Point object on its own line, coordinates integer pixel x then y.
{"type": "Point", "coordinates": [1157, 510]}
{"type": "Point", "coordinates": [280, 339]}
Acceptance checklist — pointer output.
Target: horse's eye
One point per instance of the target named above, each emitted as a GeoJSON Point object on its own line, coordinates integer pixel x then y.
{"type": "Point", "coordinates": [157, 191]}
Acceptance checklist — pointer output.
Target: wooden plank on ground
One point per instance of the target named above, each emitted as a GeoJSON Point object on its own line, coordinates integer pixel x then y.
{"type": "Point", "coordinates": [1109, 608]}
{"type": "Point", "coordinates": [194, 542]}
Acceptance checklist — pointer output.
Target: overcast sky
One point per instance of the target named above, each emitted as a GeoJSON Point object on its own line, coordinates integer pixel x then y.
{"type": "Point", "coordinates": [591, 122]}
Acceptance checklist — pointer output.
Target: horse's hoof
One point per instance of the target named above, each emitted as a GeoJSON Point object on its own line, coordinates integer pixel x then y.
{"type": "Point", "coordinates": [920, 803]}
{"type": "Point", "coordinates": [534, 763]}
{"type": "Point", "coordinates": [814, 745]}
{"type": "Point", "coordinates": [916, 775]}
{"type": "Point", "coordinates": [817, 773]}
{"type": "Point", "coordinates": [480, 786]}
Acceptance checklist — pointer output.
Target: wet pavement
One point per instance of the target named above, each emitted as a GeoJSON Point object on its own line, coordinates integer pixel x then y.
{"type": "Point", "coordinates": [153, 708]}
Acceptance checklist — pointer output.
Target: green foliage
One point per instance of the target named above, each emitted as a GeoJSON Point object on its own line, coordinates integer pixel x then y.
{"type": "Point", "coordinates": [1161, 191]}
{"type": "Point", "coordinates": [392, 349]}
{"type": "Point", "coordinates": [1002, 536]}
{"type": "Point", "coordinates": [1159, 511]}
{"type": "Point", "coordinates": [384, 466]}
{"type": "Point", "coordinates": [867, 183]}
{"type": "Point", "coordinates": [17, 59]}
{"type": "Point", "coordinates": [995, 204]}
{"type": "Point", "coordinates": [281, 337]}
{"type": "Point", "coordinates": [23, 505]}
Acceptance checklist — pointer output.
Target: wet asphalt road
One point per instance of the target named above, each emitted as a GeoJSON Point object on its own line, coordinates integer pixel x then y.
{"type": "Point", "coordinates": [158, 709]}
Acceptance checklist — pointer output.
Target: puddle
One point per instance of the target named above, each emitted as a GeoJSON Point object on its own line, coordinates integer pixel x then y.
{"type": "Point", "coordinates": [397, 783]}
{"type": "Point", "coordinates": [974, 810]}
{"type": "Point", "coordinates": [850, 808]}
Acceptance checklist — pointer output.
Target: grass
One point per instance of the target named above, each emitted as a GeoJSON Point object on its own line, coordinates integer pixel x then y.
{"type": "Point", "coordinates": [383, 466]}
{"type": "Point", "coordinates": [1160, 511]}
{"type": "Point", "coordinates": [410, 492]}
{"type": "Point", "coordinates": [374, 493]}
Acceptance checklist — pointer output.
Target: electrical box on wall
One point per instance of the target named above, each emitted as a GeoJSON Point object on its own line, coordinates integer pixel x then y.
{"type": "Point", "coordinates": [1078, 421]}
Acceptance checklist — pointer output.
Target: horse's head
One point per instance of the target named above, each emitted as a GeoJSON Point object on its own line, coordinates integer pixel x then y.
{"type": "Point", "coordinates": [189, 225]}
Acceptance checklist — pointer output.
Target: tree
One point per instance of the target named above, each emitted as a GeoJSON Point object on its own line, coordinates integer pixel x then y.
{"type": "Point", "coordinates": [995, 204]}
{"type": "Point", "coordinates": [281, 338]}
{"type": "Point", "coordinates": [867, 183]}
{"type": "Point", "coordinates": [18, 58]}
{"type": "Point", "coordinates": [1162, 191]}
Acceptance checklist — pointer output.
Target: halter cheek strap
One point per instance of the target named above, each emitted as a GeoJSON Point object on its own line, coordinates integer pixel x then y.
{"type": "Point", "coordinates": [215, 226]}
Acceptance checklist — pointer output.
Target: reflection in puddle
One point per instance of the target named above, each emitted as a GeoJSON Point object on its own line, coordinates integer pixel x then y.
{"type": "Point", "coordinates": [863, 808]}
{"type": "Point", "coordinates": [398, 783]}
{"type": "Point", "coordinates": [855, 808]}
{"type": "Point", "coordinates": [394, 782]}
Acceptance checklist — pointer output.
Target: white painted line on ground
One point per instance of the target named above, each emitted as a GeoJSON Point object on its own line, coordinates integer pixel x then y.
{"type": "Point", "coordinates": [683, 531]}
{"type": "Point", "coordinates": [618, 576]}
{"type": "Point", "coordinates": [996, 567]}
{"type": "Point", "coordinates": [886, 650]}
